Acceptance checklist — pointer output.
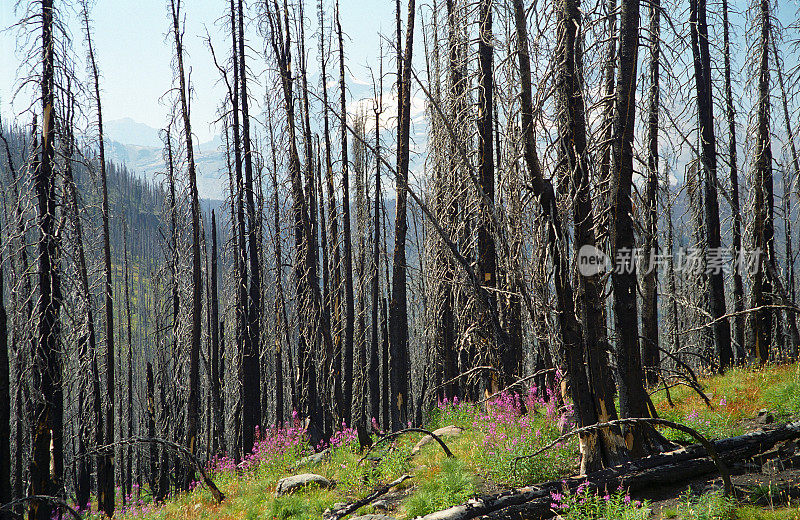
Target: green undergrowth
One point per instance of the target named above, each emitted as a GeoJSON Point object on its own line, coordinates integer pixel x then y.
{"type": "Point", "coordinates": [486, 458]}
{"type": "Point", "coordinates": [735, 399]}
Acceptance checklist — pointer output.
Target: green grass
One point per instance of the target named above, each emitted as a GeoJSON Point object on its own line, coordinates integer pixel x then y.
{"type": "Point", "coordinates": [451, 485]}
{"type": "Point", "coordinates": [484, 459]}
{"type": "Point", "coordinates": [735, 398]}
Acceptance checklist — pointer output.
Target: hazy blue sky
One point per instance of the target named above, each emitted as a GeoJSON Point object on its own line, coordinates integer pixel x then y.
{"type": "Point", "coordinates": [134, 54]}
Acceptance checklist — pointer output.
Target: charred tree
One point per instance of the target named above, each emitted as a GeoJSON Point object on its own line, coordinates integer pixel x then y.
{"type": "Point", "coordinates": [347, 251]}
{"type": "Point", "coordinates": [398, 306]}
{"type": "Point", "coordinates": [45, 408]}
{"type": "Point", "coordinates": [708, 160]}
{"type": "Point", "coordinates": [193, 398]}
{"type": "Point", "coordinates": [105, 434]}
{"type": "Point", "coordinates": [650, 344]}
{"type": "Point", "coordinates": [759, 323]}
{"type": "Point", "coordinates": [738, 286]}
{"type": "Point", "coordinates": [487, 252]}
{"type": "Point", "coordinates": [251, 368]}
{"type": "Point", "coordinates": [633, 398]}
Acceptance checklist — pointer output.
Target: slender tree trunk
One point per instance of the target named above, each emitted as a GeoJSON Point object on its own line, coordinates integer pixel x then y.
{"type": "Point", "coordinates": [633, 399]}
{"type": "Point", "coordinates": [650, 343]}
{"type": "Point", "coordinates": [251, 384]}
{"type": "Point", "coordinates": [759, 324]}
{"type": "Point", "coordinates": [487, 253]}
{"type": "Point", "coordinates": [127, 475]}
{"type": "Point", "coordinates": [280, 302]}
{"type": "Point", "coordinates": [708, 160]}
{"type": "Point", "coordinates": [588, 289]}
{"type": "Point", "coordinates": [105, 463]}
{"type": "Point", "coordinates": [193, 399]}
{"type": "Point", "coordinates": [5, 401]}
{"type": "Point", "coordinates": [738, 286]}
{"type": "Point", "coordinates": [374, 364]}
{"type": "Point", "coordinates": [347, 253]}
{"type": "Point", "coordinates": [45, 353]}
{"type": "Point", "coordinates": [216, 386]}
{"type": "Point", "coordinates": [671, 284]}
{"type": "Point", "coordinates": [398, 307]}
{"type": "Point", "coordinates": [335, 266]}
{"type": "Point", "coordinates": [787, 190]}
{"type": "Point", "coordinates": [87, 343]}
{"type": "Point", "coordinates": [308, 297]}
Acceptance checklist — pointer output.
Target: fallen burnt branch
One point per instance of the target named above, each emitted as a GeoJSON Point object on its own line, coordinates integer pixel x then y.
{"type": "Point", "coordinates": [533, 502]}
{"type": "Point", "coordinates": [354, 506]}
{"type": "Point", "coordinates": [218, 495]}
{"type": "Point", "coordinates": [709, 447]}
{"type": "Point", "coordinates": [47, 499]}
{"type": "Point", "coordinates": [394, 435]}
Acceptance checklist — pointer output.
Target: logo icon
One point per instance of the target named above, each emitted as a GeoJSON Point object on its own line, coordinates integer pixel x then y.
{"type": "Point", "coordinates": [592, 261]}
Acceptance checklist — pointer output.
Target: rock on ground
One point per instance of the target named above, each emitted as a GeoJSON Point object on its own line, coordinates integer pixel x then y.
{"type": "Point", "coordinates": [314, 459]}
{"type": "Point", "coordinates": [291, 484]}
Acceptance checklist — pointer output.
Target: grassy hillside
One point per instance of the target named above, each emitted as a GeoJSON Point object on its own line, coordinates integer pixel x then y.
{"type": "Point", "coordinates": [484, 460]}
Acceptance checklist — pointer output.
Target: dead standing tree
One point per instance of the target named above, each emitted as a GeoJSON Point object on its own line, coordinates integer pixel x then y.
{"type": "Point", "coordinates": [193, 399]}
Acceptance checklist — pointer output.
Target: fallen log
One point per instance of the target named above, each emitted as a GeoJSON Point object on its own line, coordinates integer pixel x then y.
{"type": "Point", "coordinates": [708, 446]}
{"type": "Point", "coordinates": [346, 509]}
{"type": "Point", "coordinates": [533, 502]}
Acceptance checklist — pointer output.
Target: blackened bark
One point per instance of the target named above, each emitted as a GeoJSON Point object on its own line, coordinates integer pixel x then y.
{"type": "Point", "coordinates": [216, 376]}
{"type": "Point", "coordinates": [45, 355]}
{"type": "Point", "coordinates": [398, 306]}
{"type": "Point", "coordinates": [588, 289]}
{"type": "Point", "coordinates": [334, 299]}
{"type": "Point", "coordinates": [759, 324]}
{"type": "Point", "coordinates": [487, 252]}
{"type": "Point", "coordinates": [592, 454]}
{"type": "Point", "coordinates": [308, 297]}
{"type": "Point", "coordinates": [738, 286]}
{"type": "Point", "coordinates": [281, 316]}
{"type": "Point", "coordinates": [251, 367]}
{"type": "Point", "coordinates": [633, 399]}
{"type": "Point", "coordinates": [708, 160]}
{"type": "Point", "coordinates": [193, 398]}
{"type": "Point", "coordinates": [105, 463]}
{"type": "Point", "coordinates": [152, 467]}
{"type": "Point", "coordinates": [5, 401]}
{"type": "Point", "coordinates": [787, 193]}
{"type": "Point", "coordinates": [374, 370]}
{"type": "Point", "coordinates": [347, 253]}
{"type": "Point", "coordinates": [650, 344]}
{"type": "Point", "coordinates": [127, 472]}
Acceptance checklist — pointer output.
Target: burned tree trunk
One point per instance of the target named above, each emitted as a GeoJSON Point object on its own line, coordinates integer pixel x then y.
{"type": "Point", "coordinates": [334, 254]}
{"type": "Point", "coordinates": [588, 289]}
{"type": "Point", "coordinates": [45, 371]}
{"type": "Point", "coordinates": [251, 367]}
{"type": "Point", "coordinates": [708, 160]}
{"type": "Point", "coordinates": [216, 376]}
{"type": "Point", "coordinates": [193, 399]}
{"type": "Point", "coordinates": [650, 344]}
{"type": "Point", "coordinates": [347, 252]}
{"type": "Point", "coordinates": [5, 399]}
{"type": "Point", "coordinates": [487, 253]}
{"type": "Point", "coordinates": [759, 323]}
{"type": "Point", "coordinates": [105, 432]}
{"type": "Point", "coordinates": [398, 306]}
{"type": "Point", "coordinates": [633, 398]}
{"type": "Point", "coordinates": [595, 454]}
{"type": "Point", "coordinates": [738, 286]}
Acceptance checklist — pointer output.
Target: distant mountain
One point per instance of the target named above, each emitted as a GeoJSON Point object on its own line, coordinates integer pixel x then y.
{"type": "Point", "coordinates": [127, 143]}
{"type": "Point", "coordinates": [131, 132]}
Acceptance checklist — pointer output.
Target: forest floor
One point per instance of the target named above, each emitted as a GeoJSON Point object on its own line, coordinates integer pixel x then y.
{"type": "Point", "coordinates": [743, 400]}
